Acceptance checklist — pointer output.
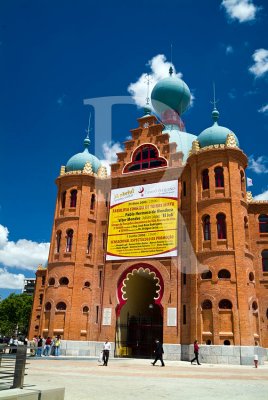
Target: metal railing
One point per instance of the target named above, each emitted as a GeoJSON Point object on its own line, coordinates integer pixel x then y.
{"type": "Point", "coordinates": [12, 366]}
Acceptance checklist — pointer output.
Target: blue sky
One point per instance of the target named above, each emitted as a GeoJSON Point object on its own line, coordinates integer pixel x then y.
{"type": "Point", "coordinates": [55, 54]}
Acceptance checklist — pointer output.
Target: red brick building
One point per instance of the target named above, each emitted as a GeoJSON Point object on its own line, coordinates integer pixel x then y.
{"type": "Point", "coordinates": [212, 286]}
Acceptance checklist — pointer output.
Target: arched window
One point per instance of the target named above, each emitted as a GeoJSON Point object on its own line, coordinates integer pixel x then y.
{"type": "Point", "coordinates": [73, 198]}
{"type": "Point", "coordinates": [48, 306]}
{"type": "Point", "coordinates": [254, 306]}
{"type": "Point", "coordinates": [61, 306]}
{"type": "Point", "coordinates": [208, 342]}
{"type": "Point", "coordinates": [264, 256]}
{"type": "Point", "coordinates": [251, 276]}
{"type": "Point", "coordinates": [205, 179]}
{"type": "Point", "coordinates": [219, 177]}
{"type": "Point", "coordinates": [51, 282]}
{"type": "Point", "coordinates": [242, 180]}
{"type": "Point", "coordinates": [263, 223]}
{"type": "Point", "coordinates": [224, 274]}
{"type": "Point", "coordinates": [225, 304]}
{"type": "Point", "coordinates": [92, 201]}
{"type": "Point", "coordinates": [63, 199]}
{"type": "Point", "coordinates": [206, 275]}
{"type": "Point", "coordinates": [221, 226]}
{"type": "Point", "coordinates": [69, 240]}
{"type": "Point", "coordinates": [58, 240]}
{"type": "Point", "coordinates": [89, 243]}
{"type": "Point", "coordinates": [227, 342]}
{"type": "Point", "coordinates": [206, 305]}
{"type": "Point", "coordinates": [145, 157]}
{"type": "Point", "coordinates": [85, 310]}
{"type": "Point", "coordinates": [87, 284]}
{"type": "Point", "coordinates": [267, 313]}
{"type": "Point", "coordinates": [206, 227]}
{"type": "Point", "coordinates": [64, 281]}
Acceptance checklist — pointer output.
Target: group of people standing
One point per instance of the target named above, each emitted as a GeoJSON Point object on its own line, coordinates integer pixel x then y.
{"type": "Point", "coordinates": [46, 347]}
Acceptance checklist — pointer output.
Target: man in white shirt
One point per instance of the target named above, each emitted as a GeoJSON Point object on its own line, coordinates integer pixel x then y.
{"type": "Point", "coordinates": [106, 351]}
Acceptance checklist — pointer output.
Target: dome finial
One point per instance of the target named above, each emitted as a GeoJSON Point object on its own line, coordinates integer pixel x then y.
{"type": "Point", "coordinates": [87, 140]}
{"type": "Point", "coordinates": [147, 108]}
{"type": "Point", "coordinates": [215, 112]}
{"type": "Point", "coordinates": [170, 70]}
{"type": "Point", "coordinates": [148, 80]}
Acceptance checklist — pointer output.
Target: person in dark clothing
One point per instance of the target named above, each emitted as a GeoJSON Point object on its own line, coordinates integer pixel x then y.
{"type": "Point", "coordinates": [196, 353]}
{"type": "Point", "coordinates": [158, 353]}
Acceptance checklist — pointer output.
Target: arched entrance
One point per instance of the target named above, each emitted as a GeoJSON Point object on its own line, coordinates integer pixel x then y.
{"type": "Point", "coordinates": [139, 312]}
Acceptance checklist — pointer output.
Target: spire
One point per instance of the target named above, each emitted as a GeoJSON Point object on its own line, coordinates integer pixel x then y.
{"type": "Point", "coordinates": [215, 112]}
{"type": "Point", "coordinates": [147, 108]}
{"type": "Point", "coordinates": [87, 140]}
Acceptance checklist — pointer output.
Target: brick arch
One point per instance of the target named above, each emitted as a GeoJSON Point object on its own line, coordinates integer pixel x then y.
{"type": "Point", "coordinates": [85, 305]}
{"type": "Point", "coordinates": [251, 301]}
{"type": "Point", "coordinates": [157, 158]}
{"type": "Point", "coordinates": [52, 302]}
{"type": "Point", "coordinates": [204, 297]}
{"type": "Point", "coordinates": [125, 276]}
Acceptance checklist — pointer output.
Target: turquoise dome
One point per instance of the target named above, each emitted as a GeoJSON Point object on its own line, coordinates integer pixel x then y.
{"type": "Point", "coordinates": [78, 161]}
{"type": "Point", "coordinates": [215, 134]}
{"type": "Point", "coordinates": [171, 93]}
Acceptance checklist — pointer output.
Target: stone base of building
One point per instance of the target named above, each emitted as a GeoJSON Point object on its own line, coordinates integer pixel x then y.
{"type": "Point", "coordinates": [236, 355]}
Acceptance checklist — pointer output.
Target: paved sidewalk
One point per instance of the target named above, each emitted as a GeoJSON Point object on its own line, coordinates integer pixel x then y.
{"type": "Point", "coordinates": [137, 379]}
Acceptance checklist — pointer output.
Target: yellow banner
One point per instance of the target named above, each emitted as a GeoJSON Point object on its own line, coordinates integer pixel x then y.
{"type": "Point", "coordinates": [143, 227]}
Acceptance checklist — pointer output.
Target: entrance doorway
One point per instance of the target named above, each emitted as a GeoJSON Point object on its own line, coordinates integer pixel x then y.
{"type": "Point", "coordinates": [140, 320]}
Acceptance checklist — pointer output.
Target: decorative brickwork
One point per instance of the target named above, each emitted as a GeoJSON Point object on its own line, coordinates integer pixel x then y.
{"type": "Point", "coordinates": [215, 290]}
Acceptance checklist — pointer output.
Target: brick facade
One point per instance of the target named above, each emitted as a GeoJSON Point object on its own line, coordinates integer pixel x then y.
{"type": "Point", "coordinates": [92, 283]}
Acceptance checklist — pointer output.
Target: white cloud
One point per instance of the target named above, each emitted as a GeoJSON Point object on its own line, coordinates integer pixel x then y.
{"type": "Point", "coordinates": [109, 152]}
{"type": "Point", "coordinates": [159, 70]}
{"type": "Point", "coordinates": [241, 10]}
{"type": "Point", "coordinates": [23, 254]}
{"type": "Point", "coordinates": [232, 94]}
{"type": "Point", "coordinates": [264, 109]}
{"type": "Point", "coordinates": [229, 50]}
{"type": "Point", "coordinates": [11, 281]}
{"type": "Point", "coordinates": [259, 166]}
{"type": "Point", "coordinates": [260, 66]}
{"type": "Point", "coordinates": [262, 196]}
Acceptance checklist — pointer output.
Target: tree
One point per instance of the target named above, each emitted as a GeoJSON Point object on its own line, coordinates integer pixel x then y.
{"type": "Point", "coordinates": [15, 312]}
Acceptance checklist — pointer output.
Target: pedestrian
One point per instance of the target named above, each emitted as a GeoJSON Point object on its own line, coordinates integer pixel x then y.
{"type": "Point", "coordinates": [196, 353]}
{"type": "Point", "coordinates": [13, 343]}
{"type": "Point", "coordinates": [57, 345]}
{"type": "Point", "coordinates": [47, 346]}
{"type": "Point", "coordinates": [256, 360]}
{"type": "Point", "coordinates": [39, 346]}
{"type": "Point", "coordinates": [106, 351]}
{"type": "Point", "coordinates": [158, 353]}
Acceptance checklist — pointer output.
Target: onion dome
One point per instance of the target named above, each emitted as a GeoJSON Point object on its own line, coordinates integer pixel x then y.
{"type": "Point", "coordinates": [78, 161]}
{"type": "Point", "coordinates": [171, 93]}
{"type": "Point", "coordinates": [215, 134]}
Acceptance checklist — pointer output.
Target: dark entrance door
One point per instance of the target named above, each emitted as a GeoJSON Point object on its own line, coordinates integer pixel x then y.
{"type": "Point", "coordinates": [140, 333]}
{"type": "Point", "coordinates": [140, 321]}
